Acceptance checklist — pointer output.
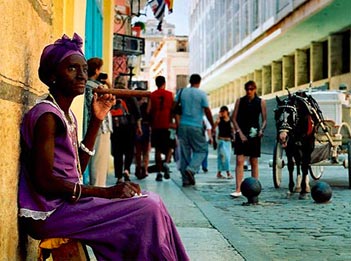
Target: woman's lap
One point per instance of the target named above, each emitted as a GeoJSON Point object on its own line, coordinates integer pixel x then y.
{"type": "Point", "coordinates": [131, 228]}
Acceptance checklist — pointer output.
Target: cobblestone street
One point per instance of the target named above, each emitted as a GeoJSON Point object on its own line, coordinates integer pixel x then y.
{"type": "Point", "coordinates": [215, 226]}
{"type": "Point", "coordinates": [280, 227]}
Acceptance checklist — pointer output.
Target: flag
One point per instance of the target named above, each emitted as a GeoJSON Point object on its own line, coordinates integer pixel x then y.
{"type": "Point", "coordinates": [169, 4]}
{"type": "Point", "coordinates": [158, 8]}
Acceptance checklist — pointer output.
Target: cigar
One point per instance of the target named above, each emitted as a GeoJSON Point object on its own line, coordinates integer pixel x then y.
{"type": "Point", "coordinates": [123, 93]}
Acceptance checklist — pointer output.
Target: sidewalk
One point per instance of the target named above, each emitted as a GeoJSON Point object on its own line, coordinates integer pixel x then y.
{"type": "Point", "coordinates": [200, 239]}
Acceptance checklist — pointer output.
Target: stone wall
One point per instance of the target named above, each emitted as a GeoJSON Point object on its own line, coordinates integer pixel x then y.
{"type": "Point", "coordinates": [26, 25]}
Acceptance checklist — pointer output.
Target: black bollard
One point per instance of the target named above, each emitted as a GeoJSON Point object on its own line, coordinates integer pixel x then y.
{"type": "Point", "coordinates": [251, 188]}
{"type": "Point", "coordinates": [321, 192]}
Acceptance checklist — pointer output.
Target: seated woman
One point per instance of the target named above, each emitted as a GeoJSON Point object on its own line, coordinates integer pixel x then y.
{"type": "Point", "coordinates": [52, 200]}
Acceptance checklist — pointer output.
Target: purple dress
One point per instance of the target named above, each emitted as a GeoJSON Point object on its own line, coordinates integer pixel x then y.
{"type": "Point", "coordinates": [116, 229]}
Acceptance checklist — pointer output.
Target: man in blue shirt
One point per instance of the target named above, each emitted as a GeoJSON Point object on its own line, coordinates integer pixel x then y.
{"type": "Point", "coordinates": [191, 135]}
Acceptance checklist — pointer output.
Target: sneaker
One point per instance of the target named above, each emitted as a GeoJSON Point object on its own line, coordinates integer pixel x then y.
{"type": "Point", "coordinates": [235, 194]}
{"type": "Point", "coordinates": [190, 177]}
{"type": "Point", "coordinates": [220, 176]}
{"type": "Point", "coordinates": [159, 177]}
{"type": "Point", "coordinates": [204, 170]}
{"type": "Point", "coordinates": [166, 170]}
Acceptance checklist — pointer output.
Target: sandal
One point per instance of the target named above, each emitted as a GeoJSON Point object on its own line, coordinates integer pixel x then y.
{"type": "Point", "coordinates": [126, 176]}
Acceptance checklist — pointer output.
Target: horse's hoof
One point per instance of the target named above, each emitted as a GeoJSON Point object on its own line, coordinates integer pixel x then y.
{"type": "Point", "coordinates": [303, 196]}
{"type": "Point", "coordinates": [297, 190]}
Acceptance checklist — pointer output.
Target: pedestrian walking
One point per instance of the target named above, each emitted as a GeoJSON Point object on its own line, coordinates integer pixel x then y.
{"type": "Point", "coordinates": [208, 134]}
{"type": "Point", "coordinates": [246, 116]}
{"type": "Point", "coordinates": [160, 113]}
{"type": "Point", "coordinates": [142, 142]}
{"type": "Point", "coordinates": [192, 140]}
{"type": "Point", "coordinates": [224, 138]}
{"type": "Point", "coordinates": [99, 163]}
{"type": "Point", "coordinates": [126, 122]}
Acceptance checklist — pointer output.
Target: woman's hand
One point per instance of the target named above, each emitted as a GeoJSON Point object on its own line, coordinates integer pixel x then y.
{"type": "Point", "coordinates": [139, 131]}
{"type": "Point", "coordinates": [260, 133]}
{"type": "Point", "coordinates": [242, 137]}
{"type": "Point", "coordinates": [124, 190]}
{"type": "Point", "coordinates": [102, 104]}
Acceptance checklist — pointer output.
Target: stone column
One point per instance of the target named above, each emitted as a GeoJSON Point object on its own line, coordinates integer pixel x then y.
{"type": "Point", "coordinates": [250, 76]}
{"type": "Point", "coordinates": [276, 76]}
{"type": "Point", "coordinates": [223, 95]}
{"type": "Point", "coordinates": [301, 70]}
{"type": "Point", "coordinates": [214, 100]}
{"type": "Point", "coordinates": [237, 88]}
{"type": "Point", "coordinates": [231, 92]}
{"type": "Point", "coordinates": [266, 79]}
{"type": "Point", "coordinates": [335, 48]}
{"type": "Point", "coordinates": [210, 98]}
{"type": "Point", "coordinates": [288, 72]}
{"type": "Point", "coordinates": [258, 81]}
{"type": "Point", "coordinates": [316, 72]}
{"type": "Point", "coordinates": [243, 80]}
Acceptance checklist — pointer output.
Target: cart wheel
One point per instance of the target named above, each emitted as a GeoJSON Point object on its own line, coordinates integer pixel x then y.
{"type": "Point", "coordinates": [349, 161]}
{"type": "Point", "coordinates": [278, 164]}
{"type": "Point", "coordinates": [316, 172]}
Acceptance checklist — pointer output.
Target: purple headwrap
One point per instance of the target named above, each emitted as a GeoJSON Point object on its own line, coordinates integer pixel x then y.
{"type": "Point", "coordinates": [54, 53]}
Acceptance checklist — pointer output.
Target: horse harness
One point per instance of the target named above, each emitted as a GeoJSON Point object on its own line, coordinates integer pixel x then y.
{"type": "Point", "coordinates": [287, 110]}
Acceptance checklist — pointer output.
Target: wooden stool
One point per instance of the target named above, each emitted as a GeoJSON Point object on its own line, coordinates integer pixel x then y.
{"type": "Point", "coordinates": [62, 249]}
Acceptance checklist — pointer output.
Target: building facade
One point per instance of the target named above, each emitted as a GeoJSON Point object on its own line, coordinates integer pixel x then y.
{"type": "Point", "coordinates": [26, 28]}
{"type": "Point", "coordinates": [281, 44]}
{"type": "Point", "coordinates": [153, 39]}
{"type": "Point", "coordinates": [171, 60]}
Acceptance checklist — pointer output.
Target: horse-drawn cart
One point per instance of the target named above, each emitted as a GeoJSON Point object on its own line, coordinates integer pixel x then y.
{"type": "Point", "coordinates": [332, 137]}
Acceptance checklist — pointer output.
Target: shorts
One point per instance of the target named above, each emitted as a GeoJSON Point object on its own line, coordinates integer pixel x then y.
{"type": "Point", "coordinates": [160, 139]}
{"type": "Point", "coordinates": [251, 148]}
{"type": "Point", "coordinates": [145, 138]}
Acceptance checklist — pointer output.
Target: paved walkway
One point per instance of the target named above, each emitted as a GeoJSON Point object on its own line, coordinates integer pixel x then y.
{"type": "Point", "coordinates": [213, 226]}
{"type": "Point", "coordinates": [202, 241]}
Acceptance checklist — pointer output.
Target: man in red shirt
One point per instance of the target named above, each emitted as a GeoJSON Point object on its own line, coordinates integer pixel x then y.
{"type": "Point", "coordinates": [160, 111]}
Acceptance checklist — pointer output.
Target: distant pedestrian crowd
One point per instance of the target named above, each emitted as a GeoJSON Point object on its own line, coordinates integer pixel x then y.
{"type": "Point", "coordinates": [179, 128]}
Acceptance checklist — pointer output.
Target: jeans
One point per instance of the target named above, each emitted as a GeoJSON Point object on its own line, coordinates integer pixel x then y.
{"type": "Point", "coordinates": [205, 162]}
{"type": "Point", "coordinates": [224, 151]}
{"type": "Point", "coordinates": [193, 149]}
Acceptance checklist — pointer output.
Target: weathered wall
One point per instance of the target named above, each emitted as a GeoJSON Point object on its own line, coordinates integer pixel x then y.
{"type": "Point", "coordinates": [26, 27]}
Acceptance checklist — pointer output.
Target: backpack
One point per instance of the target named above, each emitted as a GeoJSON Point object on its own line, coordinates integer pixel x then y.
{"type": "Point", "coordinates": [120, 114]}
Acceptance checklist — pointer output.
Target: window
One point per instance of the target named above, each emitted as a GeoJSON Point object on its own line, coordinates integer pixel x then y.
{"type": "Point", "coordinates": [281, 4]}
{"type": "Point", "coordinates": [245, 18]}
{"type": "Point", "coordinates": [182, 81]}
{"type": "Point", "coordinates": [255, 15]}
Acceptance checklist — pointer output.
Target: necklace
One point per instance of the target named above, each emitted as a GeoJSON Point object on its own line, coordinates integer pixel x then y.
{"type": "Point", "coordinates": [72, 133]}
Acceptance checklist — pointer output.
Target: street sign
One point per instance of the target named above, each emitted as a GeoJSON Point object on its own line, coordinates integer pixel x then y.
{"type": "Point", "coordinates": [128, 45]}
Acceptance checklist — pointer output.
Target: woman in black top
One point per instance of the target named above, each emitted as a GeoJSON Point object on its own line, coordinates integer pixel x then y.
{"type": "Point", "coordinates": [246, 115]}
